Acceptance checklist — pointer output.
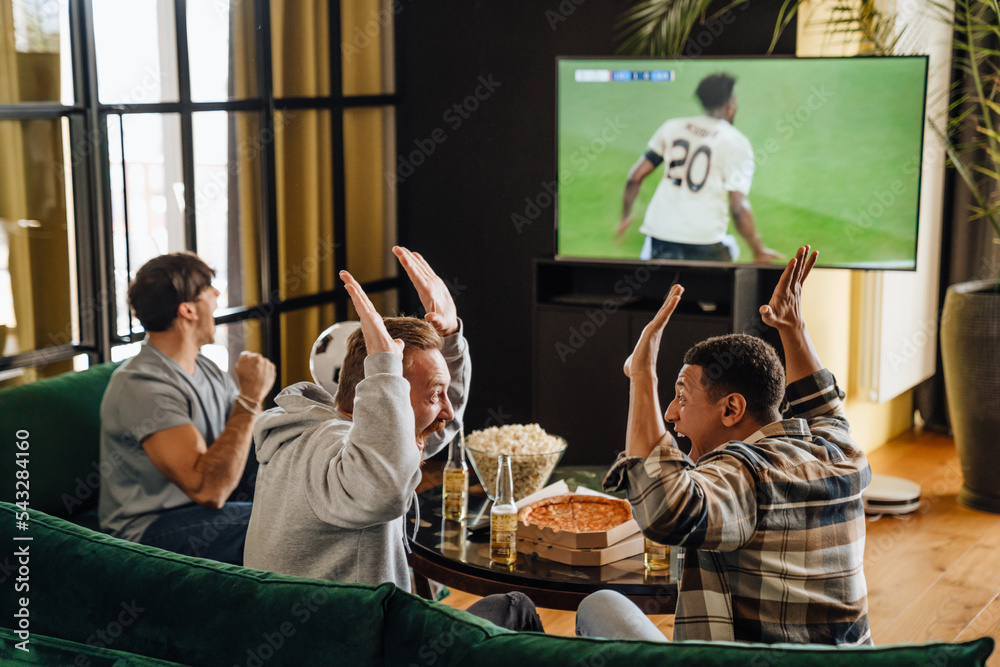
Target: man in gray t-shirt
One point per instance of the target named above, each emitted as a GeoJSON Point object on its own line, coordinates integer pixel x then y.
{"type": "Point", "coordinates": [175, 429]}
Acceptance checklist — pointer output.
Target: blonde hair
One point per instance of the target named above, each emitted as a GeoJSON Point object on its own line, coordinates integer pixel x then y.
{"type": "Point", "coordinates": [415, 333]}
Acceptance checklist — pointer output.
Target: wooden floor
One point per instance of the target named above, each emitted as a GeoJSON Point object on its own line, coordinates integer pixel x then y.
{"type": "Point", "coordinates": [932, 575]}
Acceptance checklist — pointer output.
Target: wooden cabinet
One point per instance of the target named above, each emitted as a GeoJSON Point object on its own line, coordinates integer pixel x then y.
{"type": "Point", "coordinates": [587, 318]}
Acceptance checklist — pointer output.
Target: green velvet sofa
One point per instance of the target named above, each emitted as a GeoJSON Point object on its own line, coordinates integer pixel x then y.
{"type": "Point", "coordinates": [74, 596]}
{"type": "Point", "coordinates": [61, 417]}
{"type": "Point", "coordinates": [88, 598]}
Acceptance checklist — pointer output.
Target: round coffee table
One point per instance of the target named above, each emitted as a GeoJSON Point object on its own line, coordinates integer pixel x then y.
{"type": "Point", "coordinates": [447, 552]}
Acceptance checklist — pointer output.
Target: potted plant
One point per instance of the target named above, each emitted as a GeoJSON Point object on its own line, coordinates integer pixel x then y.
{"type": "Point", "coordinates": [970, 320]}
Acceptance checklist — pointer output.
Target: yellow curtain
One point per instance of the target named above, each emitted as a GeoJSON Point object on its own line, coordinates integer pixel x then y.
{"type": "Point", "coordinates": [33, 205]}
{"type": "Point", "coordinates": [369, 145]}
{"type": "Point", "coordinates": [300, 43]}
{"type": "Point", "coordinates": [304, 173]}
{"type": "Point", "coordinates": [249, 143]}
{"type": "Point", "coordinates": [370, 206]}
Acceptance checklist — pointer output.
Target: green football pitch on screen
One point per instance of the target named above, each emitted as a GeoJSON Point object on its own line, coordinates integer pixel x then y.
{"type": "Point", "coordinates": [837, 149]}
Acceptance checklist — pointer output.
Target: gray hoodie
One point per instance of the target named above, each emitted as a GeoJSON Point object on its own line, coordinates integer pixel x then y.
{"type": "Point", "coordinates": [332, 493]}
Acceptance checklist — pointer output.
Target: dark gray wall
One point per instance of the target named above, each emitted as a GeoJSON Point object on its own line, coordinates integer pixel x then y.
{"type": "Point", "coordinates": [462, 175]}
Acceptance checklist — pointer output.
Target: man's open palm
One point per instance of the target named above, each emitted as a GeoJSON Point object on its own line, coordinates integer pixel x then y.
{"type": "Point", "coordinates": [785, 307]}
{"type": "Point", "coordinates": [377, 339]}
{"type": "Point", "coordinates": [433, 293]}
{"type": "Point", "coordinates": [643, 357]}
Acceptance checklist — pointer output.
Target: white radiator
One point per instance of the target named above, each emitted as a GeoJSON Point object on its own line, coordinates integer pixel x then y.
{"type": "Point", "coordinates": [898, 319]}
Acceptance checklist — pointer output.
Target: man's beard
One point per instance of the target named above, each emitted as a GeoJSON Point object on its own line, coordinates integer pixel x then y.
{"type": "Point", "coordinates": [433, 428]}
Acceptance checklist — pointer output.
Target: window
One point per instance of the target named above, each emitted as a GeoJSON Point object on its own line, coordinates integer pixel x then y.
{"type": "Point", "coordinates": [252, 132]}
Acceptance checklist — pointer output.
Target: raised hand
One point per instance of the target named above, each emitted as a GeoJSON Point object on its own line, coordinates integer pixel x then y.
{"type": "Point", "coordinates": [433, 293]}
{"type": "Point", "coordinates": [643, 357]}
{"type": "Point", "coordinates": [376, 337]}
{"type": "Point", "coordinates": [784, 310]}
{"type": "Point", "coordinates": [254, 375]}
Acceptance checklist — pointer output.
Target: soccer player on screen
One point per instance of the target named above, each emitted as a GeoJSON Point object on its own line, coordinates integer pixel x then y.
{"type": "Point", "coordinates": [707, 176]}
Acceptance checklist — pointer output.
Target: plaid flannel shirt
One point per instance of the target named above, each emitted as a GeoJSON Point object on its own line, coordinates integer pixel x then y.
{"type": "Point", "coordinates": [772, 529]}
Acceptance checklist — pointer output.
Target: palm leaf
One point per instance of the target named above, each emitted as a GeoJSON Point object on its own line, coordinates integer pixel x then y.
{"type": "Point", "coordinates": [662, 27]}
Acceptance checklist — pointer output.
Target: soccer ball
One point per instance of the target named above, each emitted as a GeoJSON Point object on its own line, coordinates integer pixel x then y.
{"type": "Point", "coordinates": [328, 354]}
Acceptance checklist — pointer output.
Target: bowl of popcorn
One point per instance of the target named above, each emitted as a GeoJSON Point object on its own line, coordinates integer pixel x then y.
{"type": "Point", "coordinates": [534, 454]}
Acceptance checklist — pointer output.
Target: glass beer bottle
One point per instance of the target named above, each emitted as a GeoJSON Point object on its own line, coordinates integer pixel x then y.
{"type": "Point", "coordinates": [455, 497]}
{"type": "Point", "coordinates": [503, 517]}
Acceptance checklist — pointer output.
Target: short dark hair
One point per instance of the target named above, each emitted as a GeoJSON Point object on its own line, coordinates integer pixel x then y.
{"type": "Point", "coordinates": [415, 333]}
{"type": "Point", "coordinates": [164, 283]}
{"type": "Point", "coordinates": [715, 90]}
{"type": "Point", "coordinates": [741, 364]}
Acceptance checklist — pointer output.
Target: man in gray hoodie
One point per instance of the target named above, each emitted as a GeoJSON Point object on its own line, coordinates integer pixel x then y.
{"type": "Point", "coordinates": [338, 474]}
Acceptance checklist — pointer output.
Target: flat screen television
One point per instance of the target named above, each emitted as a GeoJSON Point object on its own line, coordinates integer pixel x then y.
{"type": "Point", "coordinates": [827, 150]}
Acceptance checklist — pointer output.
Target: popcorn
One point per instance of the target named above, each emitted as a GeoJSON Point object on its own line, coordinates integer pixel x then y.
{"type": "Point", "coordinates": [534, 454]}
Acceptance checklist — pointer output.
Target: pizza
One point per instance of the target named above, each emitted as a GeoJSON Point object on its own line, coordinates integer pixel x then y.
{"type": "Point", "coordinates": [576, 513]}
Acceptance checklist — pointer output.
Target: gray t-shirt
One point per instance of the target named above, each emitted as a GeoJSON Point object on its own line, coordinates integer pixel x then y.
{"type": "Point", "coordinates": [149, 393]}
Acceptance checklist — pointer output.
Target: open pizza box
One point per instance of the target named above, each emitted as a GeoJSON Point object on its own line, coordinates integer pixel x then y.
{"type": "Point", "coordinates": [590, 540]}
{"type": "Point", "coordinates": [630, 546]}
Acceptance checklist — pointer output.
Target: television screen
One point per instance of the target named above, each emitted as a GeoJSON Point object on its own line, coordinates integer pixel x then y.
{"type": "Point", "coordinates": [741, 160]}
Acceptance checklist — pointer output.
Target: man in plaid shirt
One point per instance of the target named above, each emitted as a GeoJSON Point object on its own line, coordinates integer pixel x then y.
{"type": "Point", "coordinates": [770, 515]}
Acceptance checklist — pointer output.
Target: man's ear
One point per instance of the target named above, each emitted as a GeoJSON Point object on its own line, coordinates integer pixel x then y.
{"type": "Point", "coordinates": [186, 311]}
{"type": "Point", "coordinates": [734, 408]}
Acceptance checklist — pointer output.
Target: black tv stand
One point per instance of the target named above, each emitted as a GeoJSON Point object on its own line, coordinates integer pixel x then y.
{"type": "Point", "coordinates": [587, 317]}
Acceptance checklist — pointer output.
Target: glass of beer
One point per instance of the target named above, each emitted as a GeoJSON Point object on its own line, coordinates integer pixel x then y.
{"type": "Point", "coordinates": [656, 556]}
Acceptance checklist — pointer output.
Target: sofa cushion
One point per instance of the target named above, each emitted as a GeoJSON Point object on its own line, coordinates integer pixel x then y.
{"type": "Point", "coordinates": [426, 633]}
{"type": "Point", "coordinates": [430, 633]}
{"type": "Point", "coordinates": [62, 418]}
{"type": "Point", "coordinates": [543, 649]}
{"type": "Point", "coordinates": [43, 650]}
{"type": "Point", "coordinates": [87, 587]}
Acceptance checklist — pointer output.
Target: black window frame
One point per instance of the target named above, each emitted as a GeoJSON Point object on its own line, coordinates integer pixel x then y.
{"type": "Point", "coordinates": [88, 120]}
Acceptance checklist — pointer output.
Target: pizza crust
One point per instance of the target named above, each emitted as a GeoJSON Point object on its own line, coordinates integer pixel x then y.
{"type": "Point", "coordinates": [576, 513]}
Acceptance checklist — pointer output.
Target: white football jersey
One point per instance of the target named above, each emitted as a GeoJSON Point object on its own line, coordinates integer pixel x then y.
{"type": "Point", "coordinates": [704, 158]}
